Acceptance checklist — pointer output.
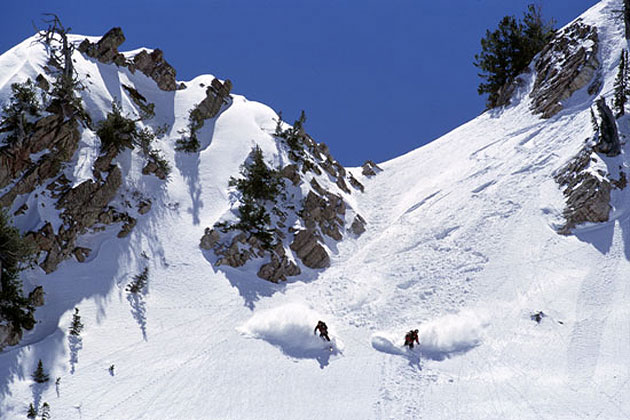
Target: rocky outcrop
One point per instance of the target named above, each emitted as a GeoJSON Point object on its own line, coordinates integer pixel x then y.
{"type": "Point", "coordinates": [587, 193]}
{"type": "Point", "coordinates": [309, 250]}
{"type": "Point", "coordinates": [568, 63]}
{"type": "Point", "coordinates": [607, 141]}
{"type": "Point", "coordinates": [301, 225]}
{"type": "Point", "coordinates": [358, 225]}
{"type": "Point", "coordinates": [369, 168]}
{"type": "Point", "coordinates": [217, 94]}
{"type": "Point", "coordinates": [36, 297]}
{"type": "Point", "coordinates": [279, 268]}
{"type": "Point", "coordinates": [9, 335]}
{"type": "Point", "coordinates": [152, 64]}
{"type": "Point", "coordinates": [106, 49]}
{"type": "Point", "coordinates": [156, 67]}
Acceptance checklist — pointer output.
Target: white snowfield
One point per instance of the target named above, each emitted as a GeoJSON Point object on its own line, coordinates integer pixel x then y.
{"type": "Point", "coordinates": [460, 244]}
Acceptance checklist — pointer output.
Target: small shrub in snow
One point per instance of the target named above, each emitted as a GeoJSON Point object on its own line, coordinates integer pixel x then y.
{"type": "Point", "coordinates": [77, 326]}
{"type": "Point", "coordinates": [189, 142]}
{"type": "Point", "coordinates": [45, 411]}
{"type": "Point", "coordinates": [293, 136]}
{"type": "Point", "coordinates": [32, 412]}
{"type": "Point", "coordinates": [139, 282]}
{"type": "Point", "coordinates": [39, 375]}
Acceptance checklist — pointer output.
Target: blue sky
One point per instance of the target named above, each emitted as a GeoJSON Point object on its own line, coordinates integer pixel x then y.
{"type": "Point", "coordinates": [376, 78]}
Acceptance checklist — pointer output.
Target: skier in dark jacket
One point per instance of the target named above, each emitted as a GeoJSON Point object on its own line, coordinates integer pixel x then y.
{"type": "Point", "coordinates": [323, 330]}
{"type": "Point", "coordinates": [411, 337]}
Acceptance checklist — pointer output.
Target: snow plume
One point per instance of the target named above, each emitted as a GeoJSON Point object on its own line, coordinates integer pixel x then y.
{"type": "Point", "coordinates": [451, 334]}
{"type": "Point", "coordinates": [290, 327]}
{"type": "Point", "coordinates": [439, 339]}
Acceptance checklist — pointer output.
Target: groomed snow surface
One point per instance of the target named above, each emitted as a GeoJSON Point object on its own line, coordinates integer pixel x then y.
{"type": "Point", "coordinates": [460, 244]}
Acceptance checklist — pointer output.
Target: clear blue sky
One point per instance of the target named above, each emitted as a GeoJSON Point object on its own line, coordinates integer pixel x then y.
{"type": "Point", "coordinates": [376, 78]}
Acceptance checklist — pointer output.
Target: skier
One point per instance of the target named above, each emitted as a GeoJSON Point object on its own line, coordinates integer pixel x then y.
{"type": "Point", "coordinates": [411, 337]}
{"type": "Point", "coordinates": [323, 330]}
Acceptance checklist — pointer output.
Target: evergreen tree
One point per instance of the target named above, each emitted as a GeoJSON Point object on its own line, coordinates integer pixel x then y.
{"type": "Point", "coordinates": [139, 282]}
{"type": "Point", "coordinates": [32, 411]}
{"type": "Point", "coordinates": [77, 326]}
{"type": "Point", "coordinates": [45, 411]}
{"type": "Point", "coordinates": [621, 85]}
{"type": "Point", "coordinates": [15, 254]}
{"type": "Point", "coordinates": [39, 375]}
{"type": "Point", "coordinates": [18, 113]}
{"type": "Point", "coordinates": [508, 50]}
{"type": "Point", "coordinates": [259, 185]}
{"type": "Point", "coordinates": [279, 132]}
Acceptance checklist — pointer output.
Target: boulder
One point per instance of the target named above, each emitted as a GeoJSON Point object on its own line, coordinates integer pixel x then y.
{"type": "Point", "coordinates": [309, 250]}
{"type": "Point", "coordinates": [9, 335]}
{"type": "Point", "coordinates": [209, 239]}
{"type": "Point", "coordinates": [144, 206]}
{"type": "Point", "coordinates": [106, 49]}
{"type": "Point", "coordinates": [369, 168]}
{"type": "Point", "coordinates": [608, 138]}
{"type": "Point", "coordinates": [278, 269]}
{"type": "Point", "coordinates": [36, 297]}
{"type": "Point", "coordinates": [217, 94]}
{"type": "Point", "coordinates": [358, 225]}
{"type": "Point", "coordinates": [81, 253]}
{"type": "Point", "coordinates": [154, 66]}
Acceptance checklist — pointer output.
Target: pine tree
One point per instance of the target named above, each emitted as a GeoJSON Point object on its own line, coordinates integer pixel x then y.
{"type": "Point", "coordinates": [39, 375]}
{"type": "Point", "coordinates": [279, 132]}
{"type": "Point", "coordinates": [18, 113]}
{"type": "Point", "coordinates": [45, 411]}
{"type": "Point", "coordinates": [77, 326]}
{"type": "Point", "coordinates": [621, 85]}
{"type": "Point", "coordinates": [507, 51]}
{"type": "Point", "coordinates": [32, 412]}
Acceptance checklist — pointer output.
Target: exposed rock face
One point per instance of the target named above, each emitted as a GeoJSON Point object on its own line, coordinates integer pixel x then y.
{"type": "Point", "coordinates": [9, 335]}
{"type": "Point", "coordinates": [106, 49]}
{"type": "Point", "coordinates": [154, 66]}
{"type": "Point", "coordinates": [358, 225]}
{"type": "Point", "coordinates": [587, 195]}
{"type": "Point", "coordinates": [567, 64]}
{"type": "Point", "coordinates": [370, 168]}
{"type": "Point", "coordinates": [321, 214]}
{"type": "Point", "coordinates": [279, 268]}
{"type": "Point", "coordinates": [151, 64]}
{"type": "Point", "coordinates": [608, 142]}
{"type": "Point", "coordinates": [60, 137]}
{"type": "Point", "coordinates": [308, 249]}
{"type": "Point", "coordinates": [36, 297]}
{"type": "Point", "coordinates": [217, 94]}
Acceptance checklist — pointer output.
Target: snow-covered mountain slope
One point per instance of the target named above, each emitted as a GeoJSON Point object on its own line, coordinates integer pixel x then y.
{"type": "Point", "coordinates": [461, 243]}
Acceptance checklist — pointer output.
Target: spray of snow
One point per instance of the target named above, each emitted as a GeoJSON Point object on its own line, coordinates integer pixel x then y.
{"type": "Point", "coordinates": [290, 327]}
{"type": "Point", "coordinates": [452, 334]}
{"type": "Point", "coordinates": [440, 338]}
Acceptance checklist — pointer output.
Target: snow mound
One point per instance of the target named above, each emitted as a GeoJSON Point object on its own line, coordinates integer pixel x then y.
{"type": "Point", "coordinates": [290, 327]}
{"type": "Point", "coordinates": [439, 339]}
